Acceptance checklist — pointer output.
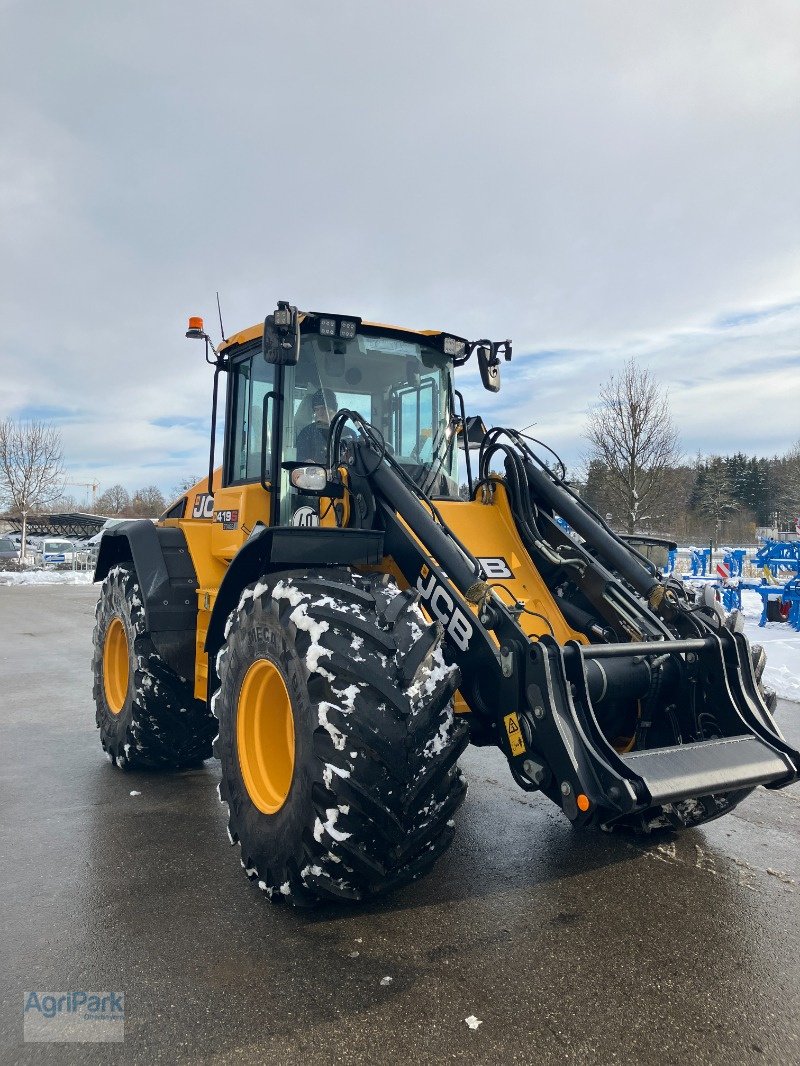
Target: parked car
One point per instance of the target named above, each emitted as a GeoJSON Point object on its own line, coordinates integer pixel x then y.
{"type": "Point", "coordinates": [8, 549]}
{"type": "Point", "coordinates": [54, 550]}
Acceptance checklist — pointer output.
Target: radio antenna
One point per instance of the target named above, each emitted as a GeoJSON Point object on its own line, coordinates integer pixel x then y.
{"type": "Point", "coordinates": [219, 309]}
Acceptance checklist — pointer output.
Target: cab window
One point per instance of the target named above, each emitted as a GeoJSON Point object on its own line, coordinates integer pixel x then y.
{"type": "Point", "coordinates": [251, 381]}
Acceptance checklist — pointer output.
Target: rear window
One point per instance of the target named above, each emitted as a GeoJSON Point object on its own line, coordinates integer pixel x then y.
{"type": "Point", "coordinates": [7, 545]}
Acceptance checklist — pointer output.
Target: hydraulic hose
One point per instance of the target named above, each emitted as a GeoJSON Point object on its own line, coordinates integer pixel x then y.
{"type": "Point", "coordinates": [612, 551]}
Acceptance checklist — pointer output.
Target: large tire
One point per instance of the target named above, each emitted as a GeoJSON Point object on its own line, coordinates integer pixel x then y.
{"type": "Point", "coordinates": [147, 715]}
{"type": "Point", "coordinates": [362, 793]}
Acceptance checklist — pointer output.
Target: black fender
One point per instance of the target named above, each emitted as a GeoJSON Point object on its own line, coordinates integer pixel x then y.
{"type": "Point", "coordinates": [167, 580]}
{"type": "Point", "coordinates": [268, 550]}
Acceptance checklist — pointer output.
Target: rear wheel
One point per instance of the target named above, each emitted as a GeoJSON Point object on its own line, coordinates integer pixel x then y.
{"type": "Point", "coordinates": [146, 714]}
{"type": "Point", "coordinates": [337, 737]}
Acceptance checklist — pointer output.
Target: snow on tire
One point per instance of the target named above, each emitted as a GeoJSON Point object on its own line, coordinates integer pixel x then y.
{"type": "Point", "coordinates": [153, 720]}
{"type": "Point", "coordinates": [375, 780]}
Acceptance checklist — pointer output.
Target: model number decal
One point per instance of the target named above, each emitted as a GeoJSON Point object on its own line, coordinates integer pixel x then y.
{"type": "Point", "coordinates": [203, 505]}
{"type": "Point", "coordinates": [495, 566]}
{"type": "Point", "coordinates": [441, 605]}
{"type": "Point", "coordinates": [228, 519]}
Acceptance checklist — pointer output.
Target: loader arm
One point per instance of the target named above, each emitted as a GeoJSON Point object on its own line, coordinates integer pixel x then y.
{"type": "Point", "coordinates": [701, 736]}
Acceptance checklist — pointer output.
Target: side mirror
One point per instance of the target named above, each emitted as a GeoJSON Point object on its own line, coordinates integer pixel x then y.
{"type": "Point", "coordinates": [471, 435]}
{"type": "Point", "coordinates": [281, 342]}
{"type": "Point", "coordinates": [489, 366]}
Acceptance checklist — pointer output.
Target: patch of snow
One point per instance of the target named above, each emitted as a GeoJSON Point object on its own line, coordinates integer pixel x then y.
{"type": "Point", "coordinates": [213, 704]}
{"type": "Point", "coordinates": [386, 981]}
{"type": "Point", "coordinates": [283, 591]}
{"type": "Point", "coordinates": [349, 696]}
{"type": "Point", "coordinates": [335, 734]}
{"type": "Point", "coordinates": [438, 743]}
{"type": "Point", "coordinates": [135, 793]}
{"type": "Point", "coordinates": [46, 577]}
{"type": "Point", "coordinates": [356, 643]}
{"type": "Point", "coordinates": [473, 1022]}
{"type": "Point", "coordinates": [315, 629]}
{"type": "Point", "coordinates": [325, 601]}
{"type": "Point", "coordinates": [219, 658]}
{"type": "Point", "coordinates": [430, 674]}
{"type": "Point", "coordinates": [329, 826]}
{"type": "Point", "coordinates": [330, 770]}
{"type": "Point", "coordinates": [780, 642]}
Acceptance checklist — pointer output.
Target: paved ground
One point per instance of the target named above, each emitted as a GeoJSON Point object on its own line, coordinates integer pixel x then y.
{"type": "Point", "coordinates": [569, 947]}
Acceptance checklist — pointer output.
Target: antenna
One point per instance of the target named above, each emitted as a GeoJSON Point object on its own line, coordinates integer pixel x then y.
{"type": "Point", "coordinates": [221, 328]}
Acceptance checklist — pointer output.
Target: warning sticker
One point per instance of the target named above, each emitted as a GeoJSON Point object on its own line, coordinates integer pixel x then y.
{"type": "Point", "coordinates": [515, 738]}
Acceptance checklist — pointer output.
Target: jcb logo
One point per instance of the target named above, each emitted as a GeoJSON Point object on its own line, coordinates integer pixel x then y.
{"type": "Point", "coordinates": [203, 505]}
{"type": "Point", "coordinates": [441, 605]}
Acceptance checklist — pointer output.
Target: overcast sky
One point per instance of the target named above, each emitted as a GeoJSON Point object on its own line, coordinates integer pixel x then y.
{"type": "Point", "coordinates": [594, 180]}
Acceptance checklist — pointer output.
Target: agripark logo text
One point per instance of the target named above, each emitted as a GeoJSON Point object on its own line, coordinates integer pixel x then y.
{"type": "Point", "coordinates": [75, 1016]}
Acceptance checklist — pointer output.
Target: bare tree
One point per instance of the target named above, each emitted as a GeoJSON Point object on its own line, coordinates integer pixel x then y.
{"type": "Point", "coordinates": [31, 468]}
{"type": "Point", "coordinates": [184, 484]}
{"type": "Point", "coordinates": [631, 435]}
{"type": "Point", "coordinates": [114, 501]}
{"type": "Point", "coordinates": [148, 502]}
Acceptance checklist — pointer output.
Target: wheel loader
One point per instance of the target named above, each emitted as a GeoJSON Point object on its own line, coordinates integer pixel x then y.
{"type": "Point", "coordinates": [328, 612]}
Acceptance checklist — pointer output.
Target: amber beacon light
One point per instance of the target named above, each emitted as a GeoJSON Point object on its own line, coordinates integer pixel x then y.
{"type": "Point", "coordinates": [195, 328]}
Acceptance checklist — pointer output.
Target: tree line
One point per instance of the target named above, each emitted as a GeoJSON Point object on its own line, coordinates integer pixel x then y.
{"type": "Point", "coordinates": [635, 473]}
{"type": "Point", "coordinates": [33, 479]}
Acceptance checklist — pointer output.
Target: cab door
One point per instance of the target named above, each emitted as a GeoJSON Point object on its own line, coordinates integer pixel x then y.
{"type": "Point", "coordinates": [242, 501]}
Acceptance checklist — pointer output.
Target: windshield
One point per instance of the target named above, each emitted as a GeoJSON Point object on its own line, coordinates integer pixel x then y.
{"type": "Point", "coordinates": [401, 387]}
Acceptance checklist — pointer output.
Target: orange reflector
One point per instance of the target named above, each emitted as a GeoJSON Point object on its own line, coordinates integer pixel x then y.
{"type": "Point", "coordinates": [196, 323]}
{"type": "Point", "coordinates": [583, 802]}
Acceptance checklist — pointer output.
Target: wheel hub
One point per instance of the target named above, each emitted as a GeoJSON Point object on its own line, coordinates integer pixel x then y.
{"type": "Point", "coordinates": [116, 665]}
{"type": "Point", "coordinates": [265, 736]}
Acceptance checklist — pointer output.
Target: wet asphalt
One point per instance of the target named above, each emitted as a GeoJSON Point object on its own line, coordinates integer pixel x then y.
{"type": "Point", "coordinates": [569, 947]}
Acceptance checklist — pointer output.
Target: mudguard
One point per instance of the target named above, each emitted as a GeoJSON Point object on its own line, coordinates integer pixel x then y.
{"type": "Point", "coordinates": [167, 581]}
{"type": "Point", "coordinates": [287, 548]}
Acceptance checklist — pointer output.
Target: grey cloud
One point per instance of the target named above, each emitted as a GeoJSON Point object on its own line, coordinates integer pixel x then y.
{"type": "Point", "coordinates": [594, 177]}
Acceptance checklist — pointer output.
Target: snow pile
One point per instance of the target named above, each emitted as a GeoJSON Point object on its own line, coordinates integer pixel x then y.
{"type": "Point", "coordinates": [780, 642]}
{"type": "Point", "coordinates": [46, 577]}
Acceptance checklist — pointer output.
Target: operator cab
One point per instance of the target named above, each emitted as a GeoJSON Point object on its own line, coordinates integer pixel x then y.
{"type": "Point", "coordinates": [397, 381]}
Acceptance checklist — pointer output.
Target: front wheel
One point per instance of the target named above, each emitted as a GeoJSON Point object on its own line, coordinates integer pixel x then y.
{"type": "Point", "coordinates": [337, 736]}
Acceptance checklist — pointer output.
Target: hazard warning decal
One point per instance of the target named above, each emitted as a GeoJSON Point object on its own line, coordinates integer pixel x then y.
{"type": "Point", "coordinates": [515, 739]}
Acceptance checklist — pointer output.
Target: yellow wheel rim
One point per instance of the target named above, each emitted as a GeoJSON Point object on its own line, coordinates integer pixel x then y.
{"type": "Point", "coordinates": [116, 666]}
{"type": "Point", "coordinates": [265, 736]}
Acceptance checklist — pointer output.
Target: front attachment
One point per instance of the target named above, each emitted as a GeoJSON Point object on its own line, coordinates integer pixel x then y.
{"type": "Point", "coordinates": [647, 734]}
